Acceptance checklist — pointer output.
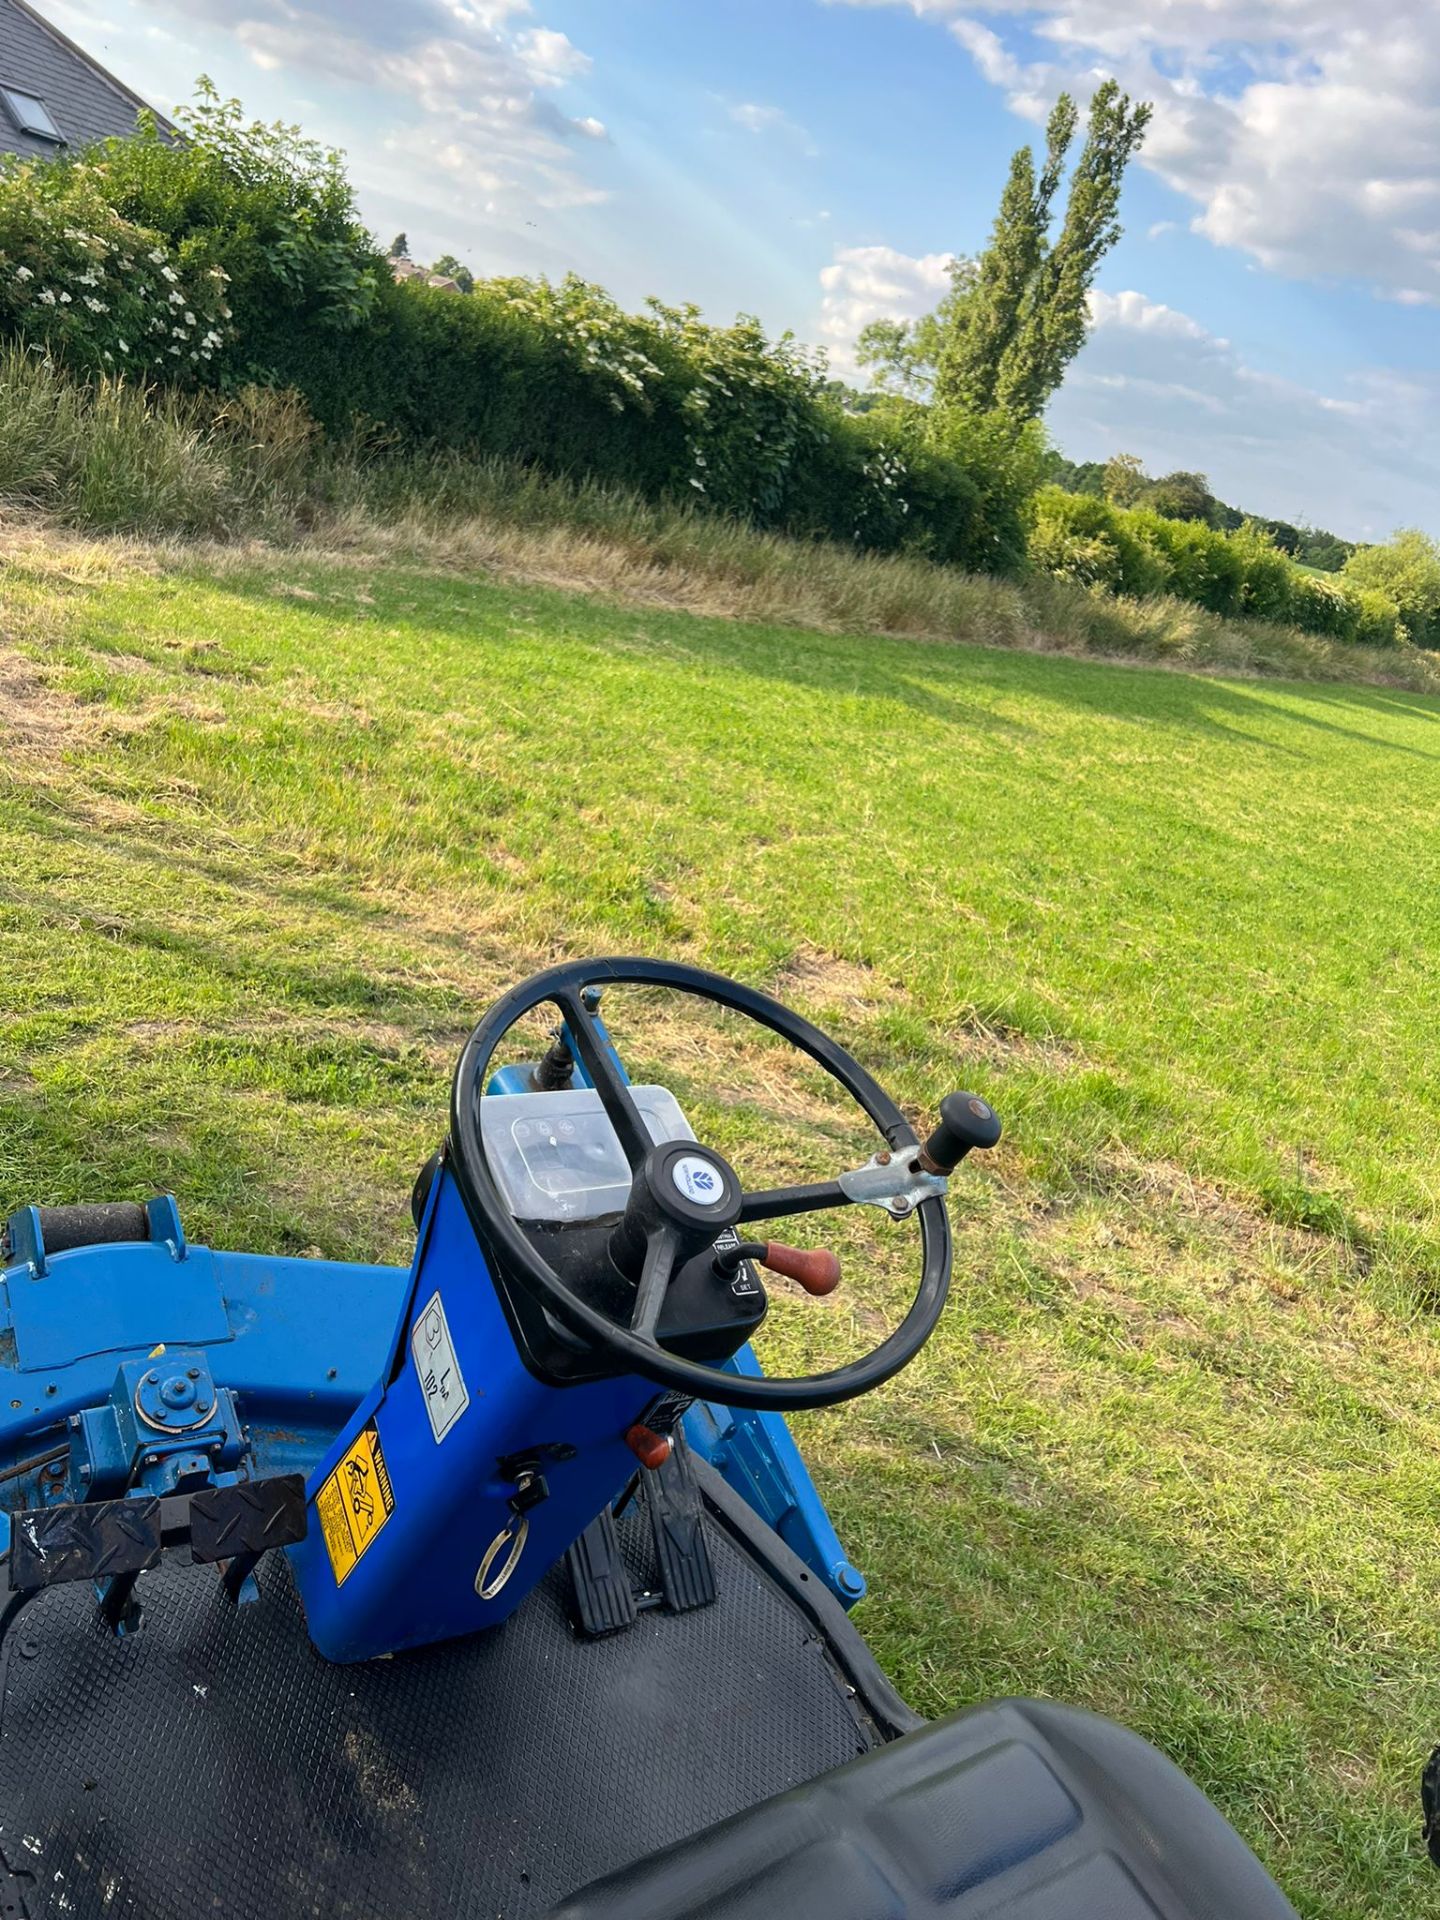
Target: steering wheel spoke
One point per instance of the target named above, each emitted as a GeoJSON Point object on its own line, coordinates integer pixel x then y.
{"type": "Point", "coordinates": [609, 1082]}
{"type": "Point", "coordinates": [661, 1247]}
{"type": "Point", "coordinates": [780, 1203]}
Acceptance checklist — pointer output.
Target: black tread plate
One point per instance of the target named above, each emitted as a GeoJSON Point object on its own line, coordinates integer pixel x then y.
{"type": "Point", "coordinates": [213, 1761]}
{"type": "Point", "coordinates": [92, 1542]}
{"type": "Point", "coordinates": [251, 1517]}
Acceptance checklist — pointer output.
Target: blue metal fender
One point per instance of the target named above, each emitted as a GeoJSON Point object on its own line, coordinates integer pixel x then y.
{"type": "Point", "coordinates": [757, 1455]}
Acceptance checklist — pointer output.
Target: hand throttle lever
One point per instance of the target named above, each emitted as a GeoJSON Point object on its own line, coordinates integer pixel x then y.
{"type": "Point", "coordinates": [816, 1269]}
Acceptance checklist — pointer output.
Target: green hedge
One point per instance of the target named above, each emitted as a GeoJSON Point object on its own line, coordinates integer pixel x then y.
{"type": "Point", "coordinates": [1406, 570]}
{"type": "Point", "coordinates": [475, 373]}
{"type": "Point", "coordinates": [263, 223]}
{"type": "Point", "coordinates": [1134, 551]}
{"type": "Point", "coordinates": [480, 374]}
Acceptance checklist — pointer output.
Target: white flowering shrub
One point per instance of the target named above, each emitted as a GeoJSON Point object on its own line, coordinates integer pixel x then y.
{"type": "Point", "coordinates": [592, 332]}
{"type": "Point", "coordinates": [98, 292]}
{"type": "Point", "coordinates": [883, 505]}
{"type": "Point", "coordinates": [746, 407]}
{"type": "Point", "coordinates": [268, 204]}
{"type": "Point", "coordinates": [751, 408]}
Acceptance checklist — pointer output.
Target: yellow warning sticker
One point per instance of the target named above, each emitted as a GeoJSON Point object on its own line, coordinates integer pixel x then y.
{"type": "Point", "coordinates": [355, 1502]}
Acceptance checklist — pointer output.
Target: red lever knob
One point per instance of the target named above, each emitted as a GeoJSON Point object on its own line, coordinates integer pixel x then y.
{"type": "Point", "coordinates": [816, 1268]}
{"type": "Point", "coordinates": [651, 1449]}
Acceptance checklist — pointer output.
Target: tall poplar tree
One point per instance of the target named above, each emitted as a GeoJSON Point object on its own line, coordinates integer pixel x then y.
{"type": "Point", "coordinates": [1008, 345]}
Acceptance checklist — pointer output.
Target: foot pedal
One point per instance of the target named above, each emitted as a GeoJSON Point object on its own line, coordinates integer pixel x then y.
{"type": "Point", "coordinates": [248, 1518]}
{"type": "Point", "coordinates": [677, 1524]}
{"type": "Point", "coordinates": [98, 1541]}
{"type": "Point", "coordinates": [604, 1598]}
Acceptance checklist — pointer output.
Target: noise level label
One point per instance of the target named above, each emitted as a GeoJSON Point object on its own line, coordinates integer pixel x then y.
{"type": "Point", "coordinates": [441, 1380]}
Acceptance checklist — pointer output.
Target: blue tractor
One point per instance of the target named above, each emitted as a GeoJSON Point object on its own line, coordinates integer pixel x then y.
{"type": "Point", "coordinates": [495, 1586]}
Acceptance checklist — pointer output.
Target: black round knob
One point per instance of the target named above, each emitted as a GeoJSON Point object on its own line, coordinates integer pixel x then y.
{"type": "Point", "coordinates": [966, 1122]}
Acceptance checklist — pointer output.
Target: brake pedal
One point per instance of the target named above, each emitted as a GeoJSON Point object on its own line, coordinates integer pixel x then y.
{"type": "Point", "coordinates": [677, 1526]}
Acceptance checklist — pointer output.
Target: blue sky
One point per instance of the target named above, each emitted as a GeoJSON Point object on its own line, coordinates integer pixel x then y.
{"type": "Point", "coordinates": [1270, 316]}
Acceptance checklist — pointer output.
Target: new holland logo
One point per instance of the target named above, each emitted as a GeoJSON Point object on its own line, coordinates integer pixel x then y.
{"type": "Point", "coordinates": [698, 1180]}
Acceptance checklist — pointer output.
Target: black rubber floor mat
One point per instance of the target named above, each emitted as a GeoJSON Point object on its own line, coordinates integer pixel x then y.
{"type": "Point", "coordinates": [214, 1763]}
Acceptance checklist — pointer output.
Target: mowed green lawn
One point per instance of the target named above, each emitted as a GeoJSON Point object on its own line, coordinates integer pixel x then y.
{"type": "Point", "coordinates": [271, 836]}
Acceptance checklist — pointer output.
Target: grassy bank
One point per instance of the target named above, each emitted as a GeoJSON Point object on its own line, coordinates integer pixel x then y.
{"type": "Point", "coordinates": [119, 461]}
{"type": "Point", "coordinates": [274, 826]}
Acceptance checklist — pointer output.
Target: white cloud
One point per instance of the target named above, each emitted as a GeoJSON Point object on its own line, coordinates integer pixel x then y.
{"type": "Point", "coordinates": [862, 284]}
{"type": "Point", "coordinates": [550, 58]}
{"type": "Point", "coordinates": [755, 117]}
{"type": "Point", "coordinates": [472, 132]}
{"type": "Point", "coordinates": [1307, 132]}
{"type": "Point", "coordinates": [1134, 311]}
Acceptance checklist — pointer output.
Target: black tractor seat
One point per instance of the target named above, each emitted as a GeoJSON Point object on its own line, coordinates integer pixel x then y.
{"type": "Point", "coordinates": [1022, 1810]}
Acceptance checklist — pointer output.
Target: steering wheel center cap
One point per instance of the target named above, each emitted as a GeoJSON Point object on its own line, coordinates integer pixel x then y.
{"type": "Point", "coordinates": [698, 1180]}
{"type": "Point", "coordinates": [691, 1187]}
{"type": "Point", "coordinates": [686, 1191]}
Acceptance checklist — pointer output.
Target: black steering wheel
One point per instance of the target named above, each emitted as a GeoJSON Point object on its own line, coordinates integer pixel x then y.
{"type": "Point", "coordinates": [683, 1195]}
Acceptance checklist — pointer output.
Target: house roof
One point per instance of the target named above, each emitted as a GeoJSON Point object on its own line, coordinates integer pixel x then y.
{"type": "Point", "coordinates": [402, 268]}
{"type": "Point", "coordinates": [84, 101]}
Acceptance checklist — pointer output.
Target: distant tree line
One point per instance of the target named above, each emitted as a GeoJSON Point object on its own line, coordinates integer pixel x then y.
{"type": "Point", "coordinates": [1123, 481]}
